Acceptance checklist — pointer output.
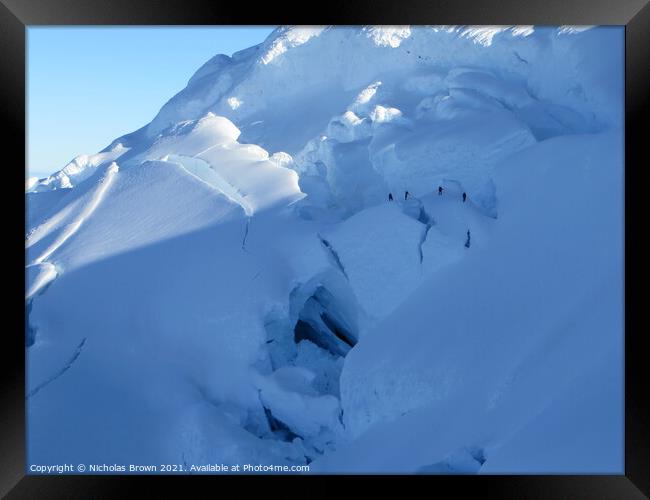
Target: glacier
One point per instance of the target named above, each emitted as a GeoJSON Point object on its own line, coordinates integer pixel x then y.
{"type": "Point", "coordinates": [230, 283]}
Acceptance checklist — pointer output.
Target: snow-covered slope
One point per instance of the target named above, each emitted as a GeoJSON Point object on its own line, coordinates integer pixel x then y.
{"type": "Point", "coordinates": [230, 284]}
{"type": "Point", "coordinates": [496, 338]}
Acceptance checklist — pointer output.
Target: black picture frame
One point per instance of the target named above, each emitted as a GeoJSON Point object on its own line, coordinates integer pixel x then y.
{"type": "Point", "coordinates": [17, 15]}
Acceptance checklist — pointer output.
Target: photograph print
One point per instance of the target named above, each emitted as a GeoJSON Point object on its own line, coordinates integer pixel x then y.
{"type": "Point", "coordinates": [325, 250]}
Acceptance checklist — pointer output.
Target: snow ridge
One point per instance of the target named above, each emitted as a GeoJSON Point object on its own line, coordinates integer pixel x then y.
{"type": "Point", "coordinates": [103, 186]}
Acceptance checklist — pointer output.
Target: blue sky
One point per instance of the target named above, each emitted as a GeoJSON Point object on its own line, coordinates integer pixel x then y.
{"type": "Point", "coordinates": [88, 85]}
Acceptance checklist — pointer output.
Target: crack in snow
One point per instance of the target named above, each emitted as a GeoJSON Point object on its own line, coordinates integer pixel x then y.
{"type": "Point", "coordinates": [243, 243]}
{"type": "Point", "coordinates": [423, 240]}
{"type": "Point", "coordinates": [337, 260]}
{"type": "Point", "coordinates": [203, 171]}
{"type": "Point", "coordinates": [64, 369]}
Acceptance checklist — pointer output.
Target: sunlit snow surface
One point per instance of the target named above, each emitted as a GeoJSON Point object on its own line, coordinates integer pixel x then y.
{"type": "Point", "coordinates": [231, 285]}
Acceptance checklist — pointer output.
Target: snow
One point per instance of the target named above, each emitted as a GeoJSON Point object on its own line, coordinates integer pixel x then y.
{"type": "Point", "coordinates": [230, 283]}
{"type": "Point", "coordinates": [30, 182]}
{"type": "Point", "coordinates": [79, 169]}
{"type": "Point", "coordinates": [39, 275]}
{"type": "Point", "coordinates": [289, 38]}
{"type": "Point", "coordinates": [391, 36]}
{"type": "Point", "coordinates": [288, 394]}
{"type": "Point", "coordinates": [506, 336]}
{"type": "Point", "coordinates": [233, 102]}
{"type": "Point", "coordinates": [104, 185]}
{"type": "Point", "coordinates": [311, 55]}
{"type": "Point", "coordinates": [575, 429]}
{"type": "Point", "coordinates": [378, 251]}
{"type": "Point", "coordinates": [365, 96]}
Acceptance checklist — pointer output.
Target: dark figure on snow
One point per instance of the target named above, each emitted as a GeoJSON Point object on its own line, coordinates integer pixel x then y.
{"type": "Point", "coordinates": [390, 196]}
{"type": "Point", "coordinates": [439, 190]}
{"type": "Point", "coordinates": [464, 197]}
{"type": "Point", "coordinates": [467, 242]}
{"type": "Point", "coordinates": [406, 195]}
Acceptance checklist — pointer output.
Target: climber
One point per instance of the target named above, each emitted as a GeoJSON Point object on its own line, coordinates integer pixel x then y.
{"type": "Point", "coordinates": [467, 242]}
{"type": "Point", "coordinates": [439, 190]}
{"type": "Point", "coordinates": [406, 195]}
{"type": "Point", "coordinates": [390, 196]}
{"type": "Point", "coordinates": [464, 197]}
